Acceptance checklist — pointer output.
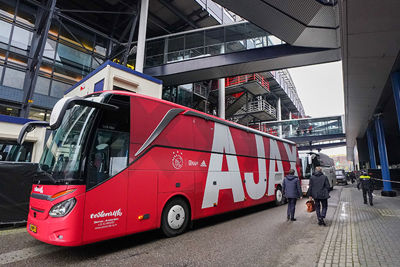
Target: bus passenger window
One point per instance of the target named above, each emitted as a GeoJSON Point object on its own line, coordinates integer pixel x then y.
{"type": "Point", "coordinates": [109, 153]}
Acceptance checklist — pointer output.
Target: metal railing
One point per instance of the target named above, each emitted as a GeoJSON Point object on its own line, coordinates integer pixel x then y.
{"type": "Point", "coordinates": [231, 81]}
{"type": "Point", "coordinates": [285, 81]}
{"type": "Point", "coordinates": [257, 106]}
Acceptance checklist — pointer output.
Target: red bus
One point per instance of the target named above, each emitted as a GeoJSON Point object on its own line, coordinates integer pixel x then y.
{"type": "Point", "coordinates": [118, 163]}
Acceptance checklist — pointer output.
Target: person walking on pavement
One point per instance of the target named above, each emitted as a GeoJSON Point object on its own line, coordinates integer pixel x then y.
{"type": "Point", "coordinates": [366, 184]}
{"type": "Point", "coordinates": [292, 191]}
{"type": "Point", "coordinates": [352, 177]}
{"type": "Point", "coordinates": [319, 191]}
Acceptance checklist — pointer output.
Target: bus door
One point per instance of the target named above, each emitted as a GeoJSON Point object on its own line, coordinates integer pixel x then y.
{"type": "Point", "coordinates": [107, 175]}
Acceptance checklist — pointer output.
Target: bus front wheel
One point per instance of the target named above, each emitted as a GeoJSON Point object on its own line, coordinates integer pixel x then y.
{"type": "Point", "coordinates": [175, 217]}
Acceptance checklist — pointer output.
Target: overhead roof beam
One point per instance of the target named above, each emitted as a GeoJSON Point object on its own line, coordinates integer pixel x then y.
{"type": "Point", "coordinates": [160, 23]}
{"type": "Point", "coordinates": [95, 11]}
{"type": "Point", "coordinates": [178, 13]}
{"type": "Point", "coordinates": [178, 26]}
{"type": "Point", "coordinates": [153, 19]}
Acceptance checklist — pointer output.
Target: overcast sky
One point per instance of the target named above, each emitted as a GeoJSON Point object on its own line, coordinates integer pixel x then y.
{"type": "Point", "coordinates": [320, 88]}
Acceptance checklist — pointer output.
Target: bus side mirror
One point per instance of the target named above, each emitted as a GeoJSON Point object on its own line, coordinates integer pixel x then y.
{"type": "Point", "coordinates": [29, 127]}
{"type": "Point", "coordinates": [58, 112]}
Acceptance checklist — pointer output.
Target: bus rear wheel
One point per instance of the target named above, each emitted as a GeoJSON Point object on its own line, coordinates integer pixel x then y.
{"type": "Point", "coordinates": [279, 199]}
{"type": "Point", "coordinates": [175, 217]}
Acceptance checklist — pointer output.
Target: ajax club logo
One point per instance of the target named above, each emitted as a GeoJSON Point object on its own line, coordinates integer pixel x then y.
{"type": "Point", "coordinates": [177, 160]}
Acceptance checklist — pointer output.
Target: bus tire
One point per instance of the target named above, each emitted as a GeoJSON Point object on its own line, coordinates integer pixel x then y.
{"type": "Point", "coordinates": [279, 199]}
{"type": "Point", "coordinates": [175, 217]}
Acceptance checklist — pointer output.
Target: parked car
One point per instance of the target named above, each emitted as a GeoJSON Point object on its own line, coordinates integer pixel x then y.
{"type": "Point", "coordinates": [341, 177]}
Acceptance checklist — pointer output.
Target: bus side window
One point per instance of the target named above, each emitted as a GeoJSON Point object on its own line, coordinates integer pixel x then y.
{"type": "Point", "coordinates": [109, 153]}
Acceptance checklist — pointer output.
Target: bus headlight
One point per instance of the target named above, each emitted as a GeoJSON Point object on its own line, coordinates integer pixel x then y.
{"type": "Point", "coordinates": [63, 208]}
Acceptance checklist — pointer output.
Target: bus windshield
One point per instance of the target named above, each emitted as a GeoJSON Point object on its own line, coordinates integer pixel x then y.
{"type": "Point", "coordinates": [62, 153]}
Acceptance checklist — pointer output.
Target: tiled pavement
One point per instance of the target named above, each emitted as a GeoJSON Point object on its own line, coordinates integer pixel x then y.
{"type": "Point", "coordinates": [363, 235]}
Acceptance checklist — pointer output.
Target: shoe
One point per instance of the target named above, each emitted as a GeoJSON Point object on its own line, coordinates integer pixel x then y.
{"type": "Point", "coordinates": [371, 204]}
{"type": "Point", "coordinates": [319, 221]}
{"type": "Point", "coordinates": [293, 219]}
{"type": "Point", "coordinates": [323, 222]}
{"type": "Point", "coordinates": [365, 203]}
{"type": "Point", "coordinates": [288, 217]}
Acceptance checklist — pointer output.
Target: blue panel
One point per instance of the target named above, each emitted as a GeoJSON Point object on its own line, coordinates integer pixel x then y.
{"type": "Point", "coordinates": [396, 93]}
{"type": "Point", "coordinates": [380, 134]}
{"type": "Point", "coordinates": [11, 119]}
{"type": "Point", "coordinates": [371, 149]}
{"type": "Point", "coordinates": [99, 86]}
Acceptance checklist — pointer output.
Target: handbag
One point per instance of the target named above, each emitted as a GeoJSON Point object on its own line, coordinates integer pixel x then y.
{"type": "Point", "coordinates": [310, 205]}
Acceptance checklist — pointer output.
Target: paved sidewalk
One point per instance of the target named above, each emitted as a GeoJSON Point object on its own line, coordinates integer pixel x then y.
{"type": "Point", "coordinates": [363, 235]}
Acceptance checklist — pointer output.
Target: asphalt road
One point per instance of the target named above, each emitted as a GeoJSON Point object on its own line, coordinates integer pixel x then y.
{"type": "Point", "coordinates": [259, 236]}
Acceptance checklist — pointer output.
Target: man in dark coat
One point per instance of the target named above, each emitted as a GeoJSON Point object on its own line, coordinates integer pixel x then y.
{"type": "Point", "coordinates": [292, 191]}
{"type": "Point", "coordinates": [366, 184]}
{"type": "Point", "coordinates": [319, 191]}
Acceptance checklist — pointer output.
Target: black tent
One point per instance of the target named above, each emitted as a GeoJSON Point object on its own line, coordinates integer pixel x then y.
{"type": "Point", "coordinates": [15, 187]}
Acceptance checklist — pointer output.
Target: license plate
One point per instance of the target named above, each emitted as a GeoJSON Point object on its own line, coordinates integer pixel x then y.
{"type": "Point", "coordinates": [33, 228]}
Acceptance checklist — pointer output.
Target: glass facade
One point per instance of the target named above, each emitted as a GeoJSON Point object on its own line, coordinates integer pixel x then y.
{"type": "Point", "coordinates": [208, 42]}
{"type": "Point", "coordinates": [307, 127]}
{"type": "Point", "coordinates": [8, 110]}
{"type": "Point", "coordinates": [67, 57]}
{"type": "Point", "coordinates": [193, 95]}
{"type": "Point", "coordinates": [71, 51]}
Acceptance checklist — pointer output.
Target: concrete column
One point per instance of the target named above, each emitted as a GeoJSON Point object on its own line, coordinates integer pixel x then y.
{"type": "Point", "coordinates": [141, 44]}
{"type": "Point", "coordinates": [290, 125]}
{"type": "Point", "coordinates": [380, 134]}
{"type": "Point", "coordinates": [221, 98]}
{"type": "Point", "coordinates": [371, 149]}
{"type": "Point", "coordinates": [279, 115]}
{"type": "Point", "coordinates": [395, 77]}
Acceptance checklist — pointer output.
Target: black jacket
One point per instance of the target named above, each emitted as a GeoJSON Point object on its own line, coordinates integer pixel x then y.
{"type": "Point", "coordinates": [365, 182]}
{"type": "Point", "coordinates": [291, 187]}
{"type": "Point", "coordinates": [318, 186]}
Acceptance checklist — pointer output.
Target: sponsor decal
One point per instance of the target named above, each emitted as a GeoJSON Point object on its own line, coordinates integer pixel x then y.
{"type": "Point", "coordinates": [38, 189]}
{"type": "Point", "coordinates": [203, 164]}
{"type": "Point", "coordinates": [103, 220]}
{"type": "Point", "coordinates": [102, 214]}
{"type": "Point", "coordinates": [82, 87]}
{"type": "Point", "coordinates": [177, 160]}
{"type": "Point", "coordinates": [193, 163]}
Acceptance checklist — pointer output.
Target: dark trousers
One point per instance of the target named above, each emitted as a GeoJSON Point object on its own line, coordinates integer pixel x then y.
{"type": "Point", "coordinates": [365, 192]}
{"type": "Point", "coordinates": [321, 213]}
{"type": "Point", "coordinates": [291, 207]}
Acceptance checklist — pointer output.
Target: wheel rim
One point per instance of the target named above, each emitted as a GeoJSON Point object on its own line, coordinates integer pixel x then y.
{"type": "Point", "coordinates": [176, 217]}
{"type": "Point", "coordinates": [278, 195]}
